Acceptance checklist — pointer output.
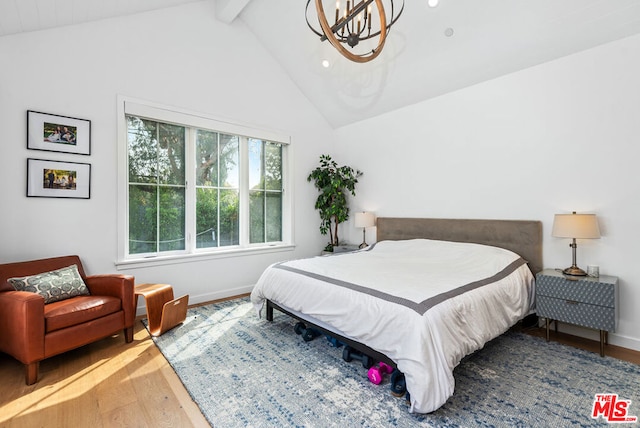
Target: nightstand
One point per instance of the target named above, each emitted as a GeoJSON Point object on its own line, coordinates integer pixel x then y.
{"type": "Point", "coordinates": [584, 301]}
{"type": "Point", "coordinates": [347, 248]}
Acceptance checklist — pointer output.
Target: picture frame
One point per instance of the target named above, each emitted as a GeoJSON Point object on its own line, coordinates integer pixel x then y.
{"type": "Point", "coordinates": [55, 133]}
{"type": "Point", "coordinates": [58, 179]}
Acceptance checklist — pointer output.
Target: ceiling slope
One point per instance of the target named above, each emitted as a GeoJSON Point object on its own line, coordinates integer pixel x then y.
{"type": "Point", "coordinates": [18, 16]}
{"type": "Point", "coordinates": [419, 61]}
{"type": "Point", "coordinates": [429, 51]}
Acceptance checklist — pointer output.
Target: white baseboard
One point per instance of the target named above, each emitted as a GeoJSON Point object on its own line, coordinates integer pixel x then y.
{"type": "Point", "coordinates": [223, 294]}
{"type": "Point", "coordinates": [625, 341]}
{"type": "Point", "coordinates": [614, 338]}
{"type": "Point", "coordinates": [141, 310]}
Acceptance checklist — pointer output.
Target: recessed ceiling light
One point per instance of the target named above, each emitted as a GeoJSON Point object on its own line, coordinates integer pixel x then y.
{"type": "Point", "coordinates": [326, 63]}
{"type": "Point", "coordinates": [448, 32]}
{"type": "Point", "coordinates": [433, 3]}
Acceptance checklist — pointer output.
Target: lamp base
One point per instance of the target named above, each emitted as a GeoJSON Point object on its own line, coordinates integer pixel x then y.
{"type": "Point", "coordinates": [363, 245]}
{"type": "Point", "coordinates": [574, 271]}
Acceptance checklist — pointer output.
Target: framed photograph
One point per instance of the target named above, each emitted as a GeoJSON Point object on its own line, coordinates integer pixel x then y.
{"type": "Point", "coordinates": [56, 179]}
{"type": "Point", "coordinates": [55, 133]}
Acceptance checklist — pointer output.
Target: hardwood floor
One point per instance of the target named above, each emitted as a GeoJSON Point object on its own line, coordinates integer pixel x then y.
{"type": "Point", "coordinates": [105, 384]}
{"type": "Point", "coordinates": [113, 384]}
{"type": "Point", "coordinates": [590, 345]}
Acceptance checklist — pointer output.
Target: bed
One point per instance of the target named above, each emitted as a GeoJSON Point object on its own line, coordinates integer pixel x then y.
{"type": "Point", "coordinates": [428, 293]}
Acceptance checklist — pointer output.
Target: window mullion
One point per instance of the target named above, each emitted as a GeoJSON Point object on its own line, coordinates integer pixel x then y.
{"type": "Point", "coordinates": [190, 190]}
{"type": "Point", "coordinates": [219, 193]}
{"type": "Point", "coordinates": [158, 188]}
{"type": "Point", "coordinates": [244, 192]}
{"type": "Point", "coordinates": [263, 179]}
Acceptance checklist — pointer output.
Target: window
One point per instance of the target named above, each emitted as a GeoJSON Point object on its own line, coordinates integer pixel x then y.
{"type": "Point", "coordinates": [265, 191]}
{"type": "Point", "coordinates": [196, 185]}
{"type": "Point", "coordinates": [217, 190]}
{"type": "Point", "coordinates": [156, 186]}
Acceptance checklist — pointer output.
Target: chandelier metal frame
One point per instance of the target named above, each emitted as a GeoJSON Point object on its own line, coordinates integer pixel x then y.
{"type": "Point", "coordinates": [354, 26]}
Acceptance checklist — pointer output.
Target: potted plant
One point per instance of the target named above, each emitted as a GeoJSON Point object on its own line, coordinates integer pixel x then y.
{"type": "Point", "coordinates": [334, 183]}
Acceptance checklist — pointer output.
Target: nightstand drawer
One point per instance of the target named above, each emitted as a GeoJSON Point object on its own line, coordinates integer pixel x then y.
{"type": "Point", "coordinates": [574, 312]}
{"type": "Point", "coordinates": [579, 290]}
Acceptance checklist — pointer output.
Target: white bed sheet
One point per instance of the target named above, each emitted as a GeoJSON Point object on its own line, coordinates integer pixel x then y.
{"type": "Point", "coordinates": [398, 298]}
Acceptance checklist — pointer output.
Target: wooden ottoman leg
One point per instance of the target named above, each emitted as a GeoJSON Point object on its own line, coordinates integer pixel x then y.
{"type": "Point", "coordinates": [155, 304]}
{"type": "Point", "coordinates": [174, 312]}
{"type": "Point", "coordinates": [163, 311]}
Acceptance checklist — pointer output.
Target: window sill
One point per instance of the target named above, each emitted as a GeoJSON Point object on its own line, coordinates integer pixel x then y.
{"type": "Point", "coordinates": [195, 257]}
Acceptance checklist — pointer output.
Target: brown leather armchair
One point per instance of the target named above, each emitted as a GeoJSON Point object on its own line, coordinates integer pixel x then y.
{"type": "Point", "coordinates": [31, 331]}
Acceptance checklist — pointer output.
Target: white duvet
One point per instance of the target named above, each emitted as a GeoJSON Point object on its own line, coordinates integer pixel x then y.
{"type": "Point", "coordinates": [423, 303]}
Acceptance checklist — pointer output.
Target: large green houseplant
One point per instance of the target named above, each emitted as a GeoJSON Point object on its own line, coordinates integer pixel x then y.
{"type": "Point", "coordinates": [334, 183]}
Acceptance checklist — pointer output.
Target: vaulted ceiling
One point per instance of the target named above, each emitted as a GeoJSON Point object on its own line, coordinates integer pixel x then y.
{"type": "Point", "coordinates": [429, 51]}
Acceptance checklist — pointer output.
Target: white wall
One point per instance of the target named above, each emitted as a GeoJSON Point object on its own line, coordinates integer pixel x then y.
{"type": "Point", "coordinates": [179, 57]}
{"type": "Point", "coordinates": [555, 138]}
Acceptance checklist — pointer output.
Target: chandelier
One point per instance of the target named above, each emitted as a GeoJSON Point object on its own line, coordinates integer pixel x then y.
{"type": "Point", "coordinates": [357, 21]}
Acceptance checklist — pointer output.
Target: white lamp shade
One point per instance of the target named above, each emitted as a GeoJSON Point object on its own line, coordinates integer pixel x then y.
{"type": "Point", "coordinates": [582, 226]}
{"type": "Point", "coordinates": [364, 219]}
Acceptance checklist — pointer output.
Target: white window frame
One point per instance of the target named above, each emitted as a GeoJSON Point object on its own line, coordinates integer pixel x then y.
{"type": "Point", "coordinates": [160, 113]}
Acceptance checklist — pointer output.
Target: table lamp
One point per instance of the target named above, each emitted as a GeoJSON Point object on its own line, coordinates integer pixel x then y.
{"type": "Point", "coordinates": [575, 226]}
{"type": "Point", "coordinates": [364, 220]}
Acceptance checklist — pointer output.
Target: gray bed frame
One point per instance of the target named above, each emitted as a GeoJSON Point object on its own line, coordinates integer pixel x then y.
{"type": "Point", "coordinates": [523, 237]}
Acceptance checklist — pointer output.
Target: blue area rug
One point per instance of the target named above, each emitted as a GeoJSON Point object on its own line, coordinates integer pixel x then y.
{"type": "Point", "coordinates": [243, 371]}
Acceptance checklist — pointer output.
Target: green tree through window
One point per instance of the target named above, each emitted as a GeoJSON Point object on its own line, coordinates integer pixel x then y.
{"type": "Point", "coordinates": [164, 216]}
{"type": "Point", "coordinates": [156, 186]}
{"type": "Point", "coordinates": [265, 184]}
{"type": "Point", "coordinates": [217, 189]}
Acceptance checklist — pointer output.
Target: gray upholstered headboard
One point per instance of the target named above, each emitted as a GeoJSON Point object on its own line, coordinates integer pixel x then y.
{"type": "Point", "coordinates": [523, 237]}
